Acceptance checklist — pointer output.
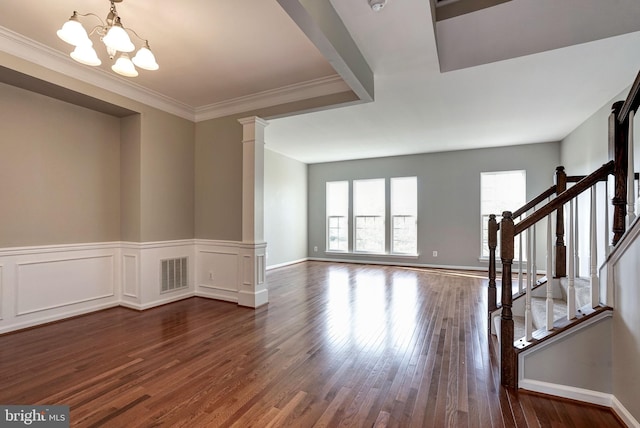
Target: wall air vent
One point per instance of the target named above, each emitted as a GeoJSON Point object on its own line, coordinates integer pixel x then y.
{"type": "Point", "coordinates": [173, 274]}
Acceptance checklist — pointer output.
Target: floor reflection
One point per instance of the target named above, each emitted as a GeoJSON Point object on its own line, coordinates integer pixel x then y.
{"type": "Point", "coordinates": [372, 311]}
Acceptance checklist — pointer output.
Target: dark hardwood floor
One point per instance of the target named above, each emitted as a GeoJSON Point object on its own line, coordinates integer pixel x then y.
{"type": "Point", "coordinates": [338, 345]}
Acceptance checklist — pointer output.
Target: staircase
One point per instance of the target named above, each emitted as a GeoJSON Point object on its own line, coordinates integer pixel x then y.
{"type": "Point", "coordinates": [539, 308]}
{"type": "Point", "coordinates": [542, 310]}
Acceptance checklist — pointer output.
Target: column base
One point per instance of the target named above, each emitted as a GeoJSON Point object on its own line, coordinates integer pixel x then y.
{"type": "Point", "coordinates": [253, 299]}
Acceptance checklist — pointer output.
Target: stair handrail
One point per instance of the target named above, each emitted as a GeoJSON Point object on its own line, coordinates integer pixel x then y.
{"type": "Point", "coordinates": [535, 201]}
{"type": "Point", "coordinates": [600, 174]}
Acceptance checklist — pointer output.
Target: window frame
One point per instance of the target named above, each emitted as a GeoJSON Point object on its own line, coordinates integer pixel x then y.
{"type": "Point", "coordinates": [484, 217]}
{"type": "Point", "coordinates": [382, 215]}
{"type": "Point", "coordinates": [343, 215]}
{"type": "Point", "coordinates": [385, 211]}
{"type": "Point", "coordinates": [393, 216]}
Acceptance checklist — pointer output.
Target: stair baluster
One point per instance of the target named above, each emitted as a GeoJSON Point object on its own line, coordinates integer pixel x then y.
{"type": "Point", "coordinates": [571, 288]}
{"type": "Point", "coordinates": [561, 249]}
{"type": "Point", "coordinates": [520, 268]}
{"type": "Point", "coordinates": [533, 255]}
{"type": "Point", "coordinates": [528, 316]}
{"type": "Point", "coordinates": [593, 256]}
{"type": "Point", "coordinates": [576, 242]}
{"type": "Point", "coordinates": [607, 247]}
{"type": "Point", "coordinates": [550, 280]}
{"type": "Point", "coordinates": [631, 194]}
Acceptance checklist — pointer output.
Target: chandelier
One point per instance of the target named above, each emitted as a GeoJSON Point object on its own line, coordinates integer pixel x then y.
{"type": "Point", "coordinates": [116, 39]}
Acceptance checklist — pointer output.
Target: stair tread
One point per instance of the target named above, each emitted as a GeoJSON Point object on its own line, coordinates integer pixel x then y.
{"type": "Point", "coordinates": [539, 311]}
{"type": "Point", "coordinates": [582, 288]}
{"type": "Point", "coordinates": [518, 327]}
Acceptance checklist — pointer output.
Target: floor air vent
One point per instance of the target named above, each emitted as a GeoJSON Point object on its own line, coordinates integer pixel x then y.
{"type": "Point", "coordinates": [173, 274]}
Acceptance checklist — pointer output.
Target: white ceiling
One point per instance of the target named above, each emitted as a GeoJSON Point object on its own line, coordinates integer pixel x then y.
{"type": "Point", "coordinates": [539, 97]}
{"type": "Point", "coordinates": [525, 71]}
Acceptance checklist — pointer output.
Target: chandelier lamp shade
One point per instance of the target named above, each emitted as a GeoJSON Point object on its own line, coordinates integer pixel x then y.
{"type": "Point", "coordinates": [116, 40]}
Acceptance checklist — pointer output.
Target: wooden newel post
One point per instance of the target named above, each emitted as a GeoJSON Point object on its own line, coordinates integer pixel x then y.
{"type": "Point", "coordinates": [492, 302]}
{"type": "Point", "coordinates": [560, 248]}
{"type": "Point", "coordinates": [508, 362]}
{"type": "Point", "coordinates": [620, 170]}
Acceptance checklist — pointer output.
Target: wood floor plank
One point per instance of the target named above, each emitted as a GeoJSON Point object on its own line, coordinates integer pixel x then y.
{"type": "Point", "coordinates": [337, 345]}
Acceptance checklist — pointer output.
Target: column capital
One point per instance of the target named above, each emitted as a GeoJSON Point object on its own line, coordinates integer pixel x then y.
{"type": "Point", "coordinates": [252, 128]}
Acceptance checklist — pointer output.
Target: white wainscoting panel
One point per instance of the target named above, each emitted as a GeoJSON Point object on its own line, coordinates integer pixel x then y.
{"type": "Point", "coordinates": [41, 284]}
{"type": "Point", "coordinates": [130, 281]}
{"type": "Point", "coordinates": [217, 270]}
{"type": "Point", "coordinates": [261, 268]}
{"type": "Point", "coordinates": [151, 255]}
{"type": "Point", "coordinates": [247, 270]}
{"type": "Point", "coordinates": [50, 284]}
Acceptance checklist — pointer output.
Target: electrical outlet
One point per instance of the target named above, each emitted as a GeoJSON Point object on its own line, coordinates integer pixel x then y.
{"type": "Point", "coordinates": [435, 254]}
{"type": "Point", "coordinates": [210, 275]}
{"type": "Point", "coordinates": [315, 249]}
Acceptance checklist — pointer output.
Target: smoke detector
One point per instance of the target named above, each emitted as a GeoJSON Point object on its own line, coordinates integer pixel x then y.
{"type": "Point", "coordinates": [377, 5]}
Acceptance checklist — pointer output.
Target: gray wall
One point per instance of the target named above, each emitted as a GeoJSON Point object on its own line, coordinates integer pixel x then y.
{"type": "Point", "coordinates": [218, 179]}
{"type": "Point", "coordinates": [550, 361]}
{"type": "Point", "coordinates": [448, 201]}
{"type": "Point", "coordinates": [69, 174]}
{"type": "Point", "coordinates": [130, 178]}
{"type": "Point", "coordinates": [167, 177]}
{"type": "Point", "coordinates": [218, 167]}
{"type": "Point", "coordinates": [59, 172]}
{"type": "Point", "coordinates": [285, 208]}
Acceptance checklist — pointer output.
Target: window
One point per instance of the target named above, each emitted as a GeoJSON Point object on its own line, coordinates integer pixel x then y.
{"type": "Point", "coordinates": [376, 216]}
{"type": "Point", "coordinates": [404, 212]}
{"type": "Point", "coordinates": [500, 191]}
{"type": "Point", "coordinates": [369, 215]}
{"type": "Point", "coordinates": [337, 215]}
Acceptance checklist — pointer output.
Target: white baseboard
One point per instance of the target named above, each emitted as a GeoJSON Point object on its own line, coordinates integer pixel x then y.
{"type": "Point", "coordinates": [624, 414]}
{"type": "Point", "coordinates": [564, 391]}
{"type": "Point", "coordinates": [279, 265]}
{"type": "Point", "coordinates": [397, 263]}
{"type": "Point", "coordinates": [580, 394]}
{"type": "Point", "coordinates": [156, 303]}
{"type": "Point", "coordinates": [224, 295]}
{"type": "Point", "coordinates": [58, 317]}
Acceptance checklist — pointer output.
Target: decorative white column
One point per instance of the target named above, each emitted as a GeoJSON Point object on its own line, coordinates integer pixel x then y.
{"type": "Point", "coordinates": [252, 290]}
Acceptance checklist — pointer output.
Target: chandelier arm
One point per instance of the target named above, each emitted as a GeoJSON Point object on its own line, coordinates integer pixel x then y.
{"type": "Point", "coordinates": [98, 29]}
{"type": "Point", "coordinates": [136, 34]}
{"type": "Point", "coordinates": [91, 14]}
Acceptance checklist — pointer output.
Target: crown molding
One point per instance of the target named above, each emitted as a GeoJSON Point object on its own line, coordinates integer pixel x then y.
{"type": "Point", "coordinates": [291, 93]}
{"type": "Point", "coordinates": [35, 52]}
{"type": "Point", "coordinates": [22, 47]}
